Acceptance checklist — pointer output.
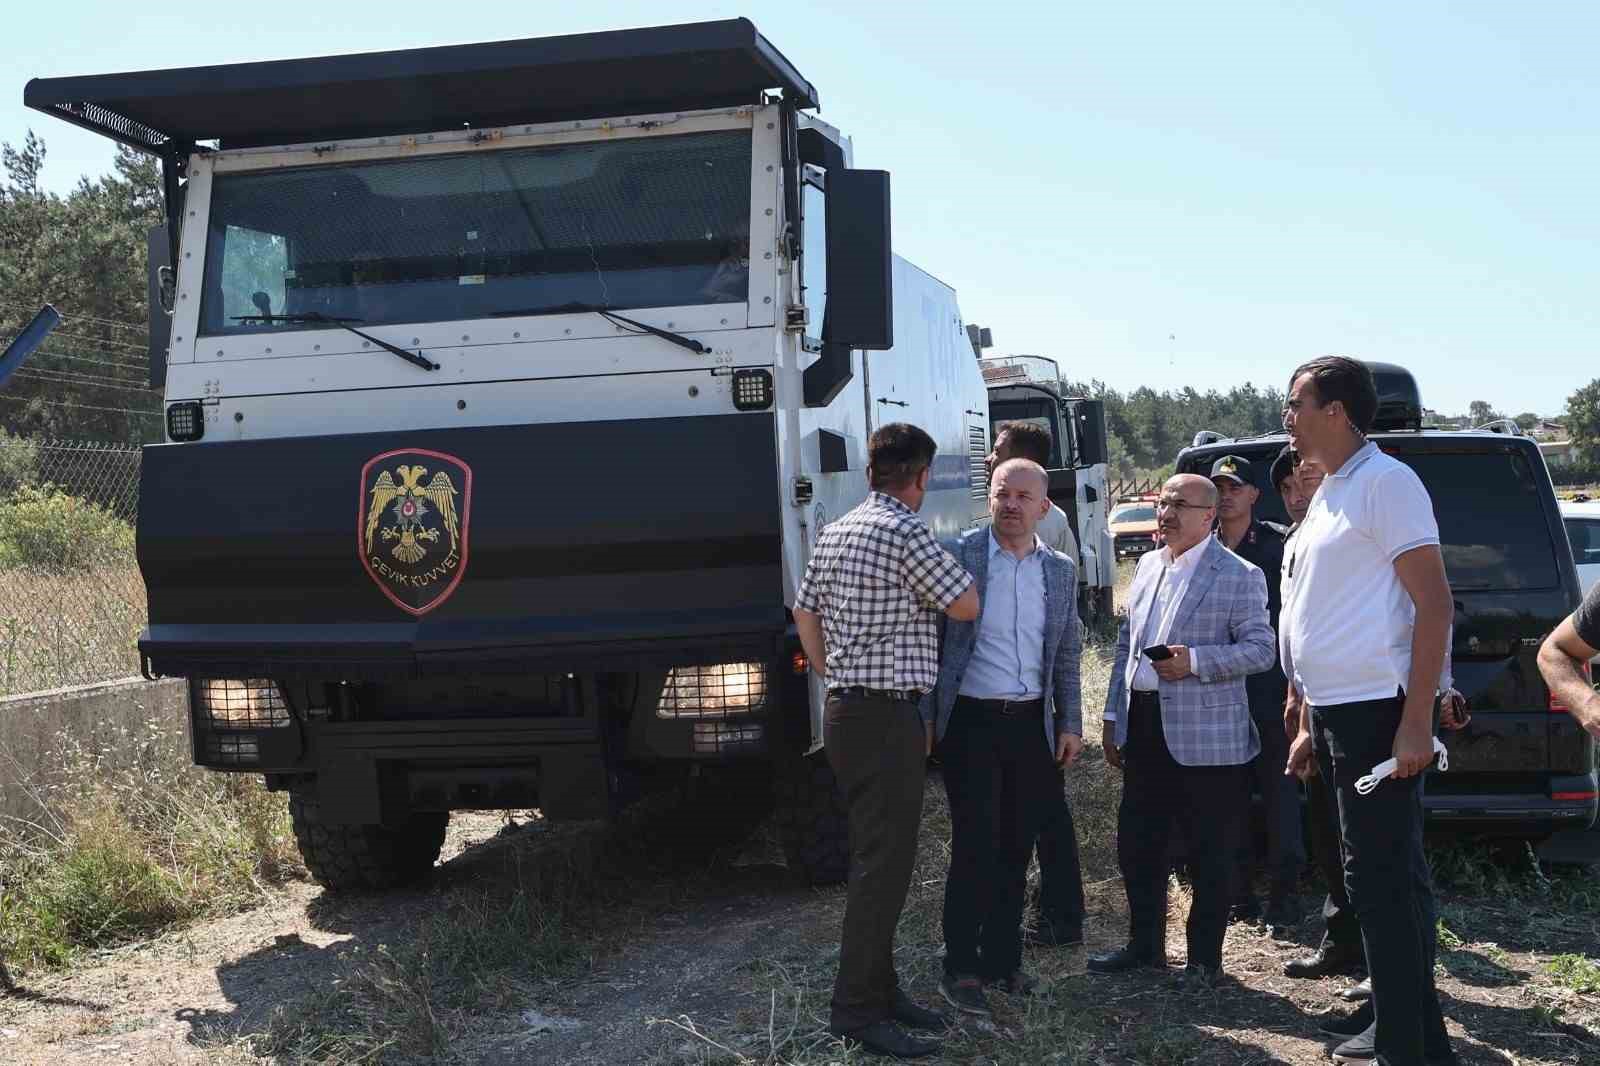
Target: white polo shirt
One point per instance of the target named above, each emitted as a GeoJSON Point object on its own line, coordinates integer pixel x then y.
{"type": "Point", "coordinates": [1345, 631]}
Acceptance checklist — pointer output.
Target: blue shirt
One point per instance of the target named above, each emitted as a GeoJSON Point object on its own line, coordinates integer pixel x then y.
{"type": "Point", "coordinates": [1008, 656]}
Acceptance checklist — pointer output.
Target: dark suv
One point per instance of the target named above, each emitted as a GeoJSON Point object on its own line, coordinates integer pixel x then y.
{"type": "Point", "coordinates": [1522, 767]}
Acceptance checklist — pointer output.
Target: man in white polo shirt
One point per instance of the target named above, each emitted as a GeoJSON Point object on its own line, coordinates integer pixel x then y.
{"type": "Point", "coordinates": [1365, 624]}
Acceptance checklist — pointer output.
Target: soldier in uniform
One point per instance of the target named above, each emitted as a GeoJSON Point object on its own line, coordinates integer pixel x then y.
{"type": "Point", "coordinates": [1261, 544]}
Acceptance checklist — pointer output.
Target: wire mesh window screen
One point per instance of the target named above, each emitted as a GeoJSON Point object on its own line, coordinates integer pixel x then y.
{"type": "Point", "coordinates": [714, 691]}
{"type": "Point", "coordinates": [234, 704]}
{"type": "Point", "coordinates": [629, 222]}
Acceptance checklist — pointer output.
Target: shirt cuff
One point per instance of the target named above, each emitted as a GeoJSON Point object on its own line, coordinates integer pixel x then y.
{"type": "Point", "coordinates": [1194, 664]}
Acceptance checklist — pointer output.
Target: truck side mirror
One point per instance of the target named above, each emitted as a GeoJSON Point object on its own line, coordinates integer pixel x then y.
{"type": "Point", "coordinates": [1089, 418]}
{"type": "Point", "coordinates": [860, 261]}
{"type": "Point", "coordinates": [162, 291]}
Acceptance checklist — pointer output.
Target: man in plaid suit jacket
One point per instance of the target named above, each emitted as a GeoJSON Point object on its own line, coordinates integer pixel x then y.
{"type": "Point", "coordinates": [1179, 726]}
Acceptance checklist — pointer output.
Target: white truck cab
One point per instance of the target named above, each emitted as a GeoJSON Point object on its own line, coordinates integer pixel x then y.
{"type": "Point", "coordinates": [508, 386]}
{"type": "Point", "coordinates": [1029, 388]}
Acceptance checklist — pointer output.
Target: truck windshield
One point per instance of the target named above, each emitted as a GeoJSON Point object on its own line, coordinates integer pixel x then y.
{"type": "Point", "coordinates": [638, 222]}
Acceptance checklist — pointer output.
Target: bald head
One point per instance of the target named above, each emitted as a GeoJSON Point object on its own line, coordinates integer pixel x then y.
{"type": "Point", "coordinates": [1186, 510]}
{"type": "Point", "coordinates": [1024, 468]}
{"type": "Point", "coordinates": [1018, 500]}
{"type": "Point", "coordinates": [1194, 488]}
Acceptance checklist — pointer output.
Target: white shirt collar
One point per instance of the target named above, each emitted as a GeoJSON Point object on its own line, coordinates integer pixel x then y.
{"type": "Point", "coordinates": [995, 546]}
{"type": "Point", "coordinates": [1352, 464]}
{"type": "Point", "coordinates": [1190, 559]}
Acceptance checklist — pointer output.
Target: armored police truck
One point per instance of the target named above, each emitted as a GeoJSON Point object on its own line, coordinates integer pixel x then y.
{"type": "Point", "coordinates": [1029, 388]}
{"type": "Point", "coordinates": [508, 387]}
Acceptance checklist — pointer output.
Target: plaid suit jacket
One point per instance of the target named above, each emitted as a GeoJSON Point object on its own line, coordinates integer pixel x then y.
{"type": "Point", "coordinates": [1063, 641]}
{"type": "Point", "coordinates": [1223, 616]}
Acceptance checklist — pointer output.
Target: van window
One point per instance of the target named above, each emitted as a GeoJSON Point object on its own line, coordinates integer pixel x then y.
{"type": "Point", "coordinates": [1492, 525]}
{"type": "Point", "coordinates": [1584, 533]}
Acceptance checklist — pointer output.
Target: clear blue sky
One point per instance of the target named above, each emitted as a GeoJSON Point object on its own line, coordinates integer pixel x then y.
{"type": "Point", "coordinates": [1159, 194]}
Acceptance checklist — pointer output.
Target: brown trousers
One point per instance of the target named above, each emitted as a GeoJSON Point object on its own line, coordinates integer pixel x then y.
{"type": "Point", "coordinates": [877, 751]}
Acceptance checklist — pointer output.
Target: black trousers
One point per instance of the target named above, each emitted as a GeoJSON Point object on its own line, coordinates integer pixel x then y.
{"type": "Point", "coordinates": [1160, 797]}
{"type": "Point", "coordinates": [1386, 876]}
{"type": "Point", "coordinates": [877, 750]}
{"type": "Point", "coordinates": [999, 775]}
{"type": "Point", "coordinates": [1060, 869]}
{"type": "Point", "coordinates": [1280, 794]}
{"type": "Point", "coordinates": [1343, 928]}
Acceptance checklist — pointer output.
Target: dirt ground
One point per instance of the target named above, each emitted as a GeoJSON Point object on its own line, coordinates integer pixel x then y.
{"type": "Point", "coordinates": [666, 954]}
{"type": "Point", "coordinates": [741, 973]}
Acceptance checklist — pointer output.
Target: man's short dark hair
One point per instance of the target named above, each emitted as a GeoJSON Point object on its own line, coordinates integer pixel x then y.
{"type": "Point", "coordinates": [896, 454]}
{"type": "Point", "coordinates": [1028, 441]}
{"type": "Point", "coordinates": [1336, 377]}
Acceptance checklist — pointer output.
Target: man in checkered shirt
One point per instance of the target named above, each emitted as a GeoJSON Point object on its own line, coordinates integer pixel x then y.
{"type": "Point", "coordinates": [867, 614]}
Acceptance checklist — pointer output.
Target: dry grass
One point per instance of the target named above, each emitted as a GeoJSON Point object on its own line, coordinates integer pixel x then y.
{"type": "Point", "coordinates": [124, 838]}
{"type": "Point", "coordinates": [59, 629]}
{"type": "Point", "coordinates": [666, 952]}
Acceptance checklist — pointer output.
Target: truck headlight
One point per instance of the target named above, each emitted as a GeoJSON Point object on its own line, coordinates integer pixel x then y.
{"type": "Point", "coordinates": [714, 691]}
{"type": "Point", "coordinates": [233, 704]}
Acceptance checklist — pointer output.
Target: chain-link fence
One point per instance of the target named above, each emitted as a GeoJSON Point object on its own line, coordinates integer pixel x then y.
{"type": "Point", "coordinates": [71, 599]}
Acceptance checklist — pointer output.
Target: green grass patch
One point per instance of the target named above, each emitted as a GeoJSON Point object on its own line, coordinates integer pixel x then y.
{"type": "Point", "coordinates": [1578, 973]}
{"type": "Point", "coordinates": [124, 850]}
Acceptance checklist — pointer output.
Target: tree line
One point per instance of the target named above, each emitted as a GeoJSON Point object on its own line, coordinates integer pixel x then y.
{"type": "Point", "coordinates": [85, 253]}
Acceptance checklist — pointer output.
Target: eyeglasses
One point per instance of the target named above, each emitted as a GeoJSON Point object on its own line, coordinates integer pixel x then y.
{"type": "Point", "coordinates": [1181, 506]}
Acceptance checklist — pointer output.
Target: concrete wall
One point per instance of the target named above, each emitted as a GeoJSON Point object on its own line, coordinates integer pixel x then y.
{"type": "Point", "coordinates": [116, 724]}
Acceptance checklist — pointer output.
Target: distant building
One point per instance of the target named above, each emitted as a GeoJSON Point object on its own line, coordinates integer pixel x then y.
{"type": "Point", "coordinates": [1556, 452]}
{"type": "Point", "coordinates": [1545, 429]}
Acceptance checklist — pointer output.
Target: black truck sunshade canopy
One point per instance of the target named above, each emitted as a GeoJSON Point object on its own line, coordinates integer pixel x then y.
{"type": "Point", "coordinates": [541, 79]}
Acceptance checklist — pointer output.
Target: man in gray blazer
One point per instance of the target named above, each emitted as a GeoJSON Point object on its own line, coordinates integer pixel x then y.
{"type": "Point", "coordinates": [1005, 712]}
{"type": "Point", "coordinates": [1178, 725]}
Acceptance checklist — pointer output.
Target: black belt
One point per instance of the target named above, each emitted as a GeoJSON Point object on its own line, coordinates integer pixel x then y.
{"type": "Point", "coordinates": [899, 695]}
{"type": "Point", "coordinates": [1005, 707]}
{"type": "Point", "coordinates": [1137, 697]}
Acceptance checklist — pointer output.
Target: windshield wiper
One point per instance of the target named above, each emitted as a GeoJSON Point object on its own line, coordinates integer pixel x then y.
{"type": "Point", "coordinates": [665, 334]}
{"type": "Point", "coordinates": [416, 358]}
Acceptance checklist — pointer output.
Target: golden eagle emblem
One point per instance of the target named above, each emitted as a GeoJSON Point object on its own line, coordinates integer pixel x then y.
{"type": "Point", "coordinates": [411, 502]}
{"type": "Point", "coordinates": [413, 531]}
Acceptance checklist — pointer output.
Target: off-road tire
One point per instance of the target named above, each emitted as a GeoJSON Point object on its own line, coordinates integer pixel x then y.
{"type": "Point", "coordinates": [365, 858]}
{"type": "Point", "coordinates": [811, 820]}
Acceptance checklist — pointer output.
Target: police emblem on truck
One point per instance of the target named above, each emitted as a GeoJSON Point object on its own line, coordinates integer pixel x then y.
{"type": "Point", "coordinates": [412, 525]}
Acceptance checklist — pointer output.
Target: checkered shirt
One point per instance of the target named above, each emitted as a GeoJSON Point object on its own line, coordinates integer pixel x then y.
{"type": "Point", "coordinates": [879, 582]}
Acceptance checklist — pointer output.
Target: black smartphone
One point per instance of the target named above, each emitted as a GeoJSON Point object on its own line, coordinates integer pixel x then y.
{"type": "Point", "coordinates": [1156, 652]}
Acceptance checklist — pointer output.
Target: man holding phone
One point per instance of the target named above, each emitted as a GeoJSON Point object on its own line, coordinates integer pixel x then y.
{"type": "Point", "coordinates": [1006, 714]}
{"type": "Point", "coordinates": [1178, 725]}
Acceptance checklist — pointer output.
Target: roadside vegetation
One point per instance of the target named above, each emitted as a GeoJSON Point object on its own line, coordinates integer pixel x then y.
{"type": "Point", "coordinates": [125, 840]}
{"type": "Point", "coordinates": [661, 940]}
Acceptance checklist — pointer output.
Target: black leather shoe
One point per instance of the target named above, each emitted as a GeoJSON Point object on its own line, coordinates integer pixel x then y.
{"type": "Point", "coordinates": [886, 1038]}
{"type": "Point", "coordinates": [965, 994]}
{"type": "Point", "coordinates": [1327, 959]}
{"type": "Point", "coordinates": [1358, 992]}
{"type": "Point", "coordinates": [1198, 977]}
{"type": "Point", "coordinates": [1049, 934]}
{"type": "Point", "coordinates": [1282, 913]}
{"type": "Point", "coordinates": [1246, 910]}
{"type": "Point", "coordinates": [1016, 984]}
{"type": "Point", "coordinates": [1124, 959]}
{"type": "Point", "coordinates": [1350, 1024]}
{"type": "Point", "coordinates": [915, 1016]}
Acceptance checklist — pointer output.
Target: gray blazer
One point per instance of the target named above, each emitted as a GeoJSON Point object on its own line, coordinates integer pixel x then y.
{"type": "Point", "coordinates": [1063, 641]}
{"type": "Point", "coordinates": [1224, 615]}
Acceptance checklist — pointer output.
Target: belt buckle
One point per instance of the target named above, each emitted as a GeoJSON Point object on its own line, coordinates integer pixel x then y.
{"type": "Point", "coordinates": [1006, 708]}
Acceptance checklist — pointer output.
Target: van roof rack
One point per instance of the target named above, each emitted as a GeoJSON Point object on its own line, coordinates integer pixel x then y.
{"type": "Point", "coordinates": [686, 67]}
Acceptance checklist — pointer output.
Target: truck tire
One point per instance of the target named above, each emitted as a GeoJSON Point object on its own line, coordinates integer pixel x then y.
{"type": "Point", "coordinates": [365, 858]}
{"type": "Point", "coordinates": [811, 820]}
